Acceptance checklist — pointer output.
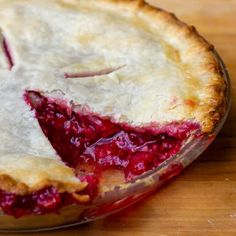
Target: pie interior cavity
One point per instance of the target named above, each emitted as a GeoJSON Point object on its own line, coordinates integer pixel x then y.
{"type": "Point", "coordinates": [91, 86]}
{"type": "Point", "coordinates": [85, 140]}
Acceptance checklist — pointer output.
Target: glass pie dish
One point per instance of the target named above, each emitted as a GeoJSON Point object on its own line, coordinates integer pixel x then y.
{"type": "Point", "coordinates": [120, 196]}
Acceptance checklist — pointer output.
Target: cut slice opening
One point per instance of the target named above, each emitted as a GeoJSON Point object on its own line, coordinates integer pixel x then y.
{"type": "Point", "coordinates": [92, 144]}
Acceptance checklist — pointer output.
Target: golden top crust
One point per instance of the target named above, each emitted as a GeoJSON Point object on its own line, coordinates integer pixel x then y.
{"type": "Point", "coordinates": [25, 174]}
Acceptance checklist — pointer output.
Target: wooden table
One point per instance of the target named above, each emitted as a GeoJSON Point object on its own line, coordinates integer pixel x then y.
{"type": "Point", "coordinates": [202, 200]}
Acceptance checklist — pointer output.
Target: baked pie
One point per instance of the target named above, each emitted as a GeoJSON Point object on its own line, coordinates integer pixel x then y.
{"type": "Point", "coordinates": [93, 90]}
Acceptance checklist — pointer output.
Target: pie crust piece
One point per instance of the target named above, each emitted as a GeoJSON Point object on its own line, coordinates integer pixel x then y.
{"type": "Point", "coordinates": [32, 174]}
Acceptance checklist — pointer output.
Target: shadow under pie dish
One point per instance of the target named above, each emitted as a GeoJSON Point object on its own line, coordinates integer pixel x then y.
{"type": "Point", "coordinates": [101, 103]}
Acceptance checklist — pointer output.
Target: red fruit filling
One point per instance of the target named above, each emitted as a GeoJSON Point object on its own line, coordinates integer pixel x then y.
{"type": "Point", "coordinates": [92, 145]}
{"type": "Point", "coordinates": [7, 52]}
{"type": "Point", "coordinates": [45, 201]}
{"type": "Point", "coordinates": [97, 143]}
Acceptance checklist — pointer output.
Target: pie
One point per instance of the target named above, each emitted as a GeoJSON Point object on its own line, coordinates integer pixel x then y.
{"type": "Point", "coordinates": [92, 89]}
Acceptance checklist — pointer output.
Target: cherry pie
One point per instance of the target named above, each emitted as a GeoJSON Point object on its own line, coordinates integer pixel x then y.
{"type": "Point", "coordinates": [92, 89]}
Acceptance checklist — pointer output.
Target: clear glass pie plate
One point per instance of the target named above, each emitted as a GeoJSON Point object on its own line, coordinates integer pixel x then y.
{"type": "Point", "coordinates": [119, 197]}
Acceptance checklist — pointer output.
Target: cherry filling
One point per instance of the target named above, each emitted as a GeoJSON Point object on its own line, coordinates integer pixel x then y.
{"type": "Point", "coordinates": [94, 144]}
{"type": "Point", "coordinates": [45, 201]}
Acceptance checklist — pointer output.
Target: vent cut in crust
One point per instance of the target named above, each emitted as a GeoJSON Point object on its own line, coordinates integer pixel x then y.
{"type": "Point", "coordinates": [90, 87]}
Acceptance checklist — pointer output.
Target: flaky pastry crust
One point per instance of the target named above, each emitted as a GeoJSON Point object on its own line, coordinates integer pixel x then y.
{"type": "Point", "coordinates": [32, 174]}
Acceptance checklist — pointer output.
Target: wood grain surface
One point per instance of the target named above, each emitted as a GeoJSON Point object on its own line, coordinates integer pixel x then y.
{"type": "Point", "coordinates": [202, 200]}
